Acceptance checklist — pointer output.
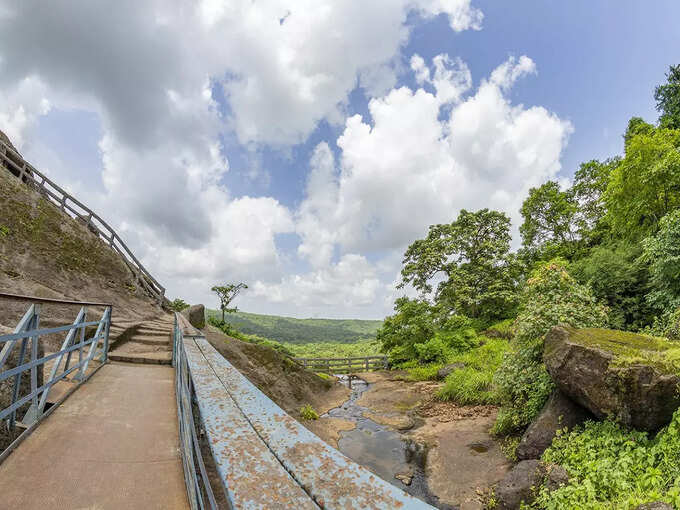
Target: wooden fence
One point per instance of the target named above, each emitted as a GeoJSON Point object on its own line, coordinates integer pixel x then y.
{"type": "Point", "coordinates": [18, 166]}
{"type": "Point", "coordinates": [343, 365]}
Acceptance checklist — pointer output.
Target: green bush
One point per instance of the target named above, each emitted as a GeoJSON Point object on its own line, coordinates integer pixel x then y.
{"type": "Point", "coordinates": [424, 373]}
{"type": "Point", "coordinates": [434, 350]}
{"type": "Point", "coordinates": [614, 468]}
{"type": "Point", "coordinates": [550, 297]}
{"type": "Point", "coordinates": [474, 383]}
{"type": "Point", "coordinates": [307, 412]}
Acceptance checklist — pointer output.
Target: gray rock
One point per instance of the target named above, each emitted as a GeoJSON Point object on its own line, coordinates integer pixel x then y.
{"type": "Point", "coordinates": [196, 316]}
{"type": "Point", "coordinates": [559, 412]}
{"type": "Point", "coordinates": [556, 477]}
{"type": "Point", "coordinates": [656, 505]}
{"type": "Point", "coordinates": [638, 394]}
{"type": "Point", "coordinates": [524, 481]}
{"type": "Point", "coordinates": [521, 484]}
{"type": "Point", "coordinates": [447, 369]}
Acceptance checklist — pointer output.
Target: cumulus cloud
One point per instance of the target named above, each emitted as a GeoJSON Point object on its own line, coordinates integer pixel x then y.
{"type": "Point", "coordinates": [414, 167]}
{"type": "Point", "coordinates": [147, 70]}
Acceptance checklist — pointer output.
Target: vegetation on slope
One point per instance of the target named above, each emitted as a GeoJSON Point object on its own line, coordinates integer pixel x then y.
{"type": "Point", "coordinates": [301, 331]}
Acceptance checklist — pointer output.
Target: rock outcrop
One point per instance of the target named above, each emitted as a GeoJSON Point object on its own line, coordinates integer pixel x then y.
{"type": "Point", "coordinates": [524, 481]}
{"type": "Point", "coordinates": [196, 316]}
{"type": "Point", "coordinates": [447, 369]}
{"type": "Point", "coordinates": [558, 413]}
{"type": "Point", "coordinates": [622, 376]}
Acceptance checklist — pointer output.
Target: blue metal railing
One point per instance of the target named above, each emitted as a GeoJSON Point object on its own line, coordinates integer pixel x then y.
{"type": "Point", "coordinates": [199, 491]}
{"type": "Point", "coordinates": [24, 342]}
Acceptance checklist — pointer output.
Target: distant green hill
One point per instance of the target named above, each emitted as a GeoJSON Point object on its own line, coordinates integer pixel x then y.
{"type": "Point", "coordinates": [302, 331]}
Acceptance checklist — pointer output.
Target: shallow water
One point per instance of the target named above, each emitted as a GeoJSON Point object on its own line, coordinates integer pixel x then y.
{"type": "Point", "coordinates": [382, 450]}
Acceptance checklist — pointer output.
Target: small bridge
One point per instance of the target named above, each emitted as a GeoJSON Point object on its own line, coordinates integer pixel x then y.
{"type": "Point", "coordinates": [344, 365]}
{"type": "Point", "coordinates": [96, 433]}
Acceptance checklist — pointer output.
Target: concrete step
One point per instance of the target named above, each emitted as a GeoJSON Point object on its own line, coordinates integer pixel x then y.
{"type": "Point", "coordinates": [135, 352]}
{"type": "Point", "coordinates": [151, 340]}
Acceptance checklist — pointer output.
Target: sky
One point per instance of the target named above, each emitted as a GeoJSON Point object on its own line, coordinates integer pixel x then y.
{"type": "Point", "coordinates": [301, 146]}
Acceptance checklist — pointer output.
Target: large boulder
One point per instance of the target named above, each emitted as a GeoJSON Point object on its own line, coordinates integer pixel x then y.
{"type": "Point", "coordinates": [622, 376]}
{"type": "Point", "coordinates": [524, 481]}
{"type": "Point", "coordinates": [196, 316]}
{"type": "Point", "coordinates": [558, 413]}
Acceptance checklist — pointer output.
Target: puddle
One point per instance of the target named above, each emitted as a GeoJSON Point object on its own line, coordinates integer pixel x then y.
{"type": "Point", "coordinates": [382, 450]}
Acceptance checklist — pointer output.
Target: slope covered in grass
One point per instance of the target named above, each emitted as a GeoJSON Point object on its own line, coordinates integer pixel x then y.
{"type": "Point", "coordinates": [302, 331]}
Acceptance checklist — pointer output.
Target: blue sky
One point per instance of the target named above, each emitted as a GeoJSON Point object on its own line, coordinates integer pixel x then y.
{"type": "Point", "coordinates": [226, 145]}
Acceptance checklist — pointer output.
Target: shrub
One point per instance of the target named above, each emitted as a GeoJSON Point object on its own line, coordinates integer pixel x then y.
{"type": "Point", "coordinates": [551, 297]}
{"type": "Point", "coordinates": [434, 350]}
{"type": "Point", "coordinates": [307, 412]}
{"type": "Point", "coordinates": [611, 467]}
{"type": "Point", "coordinates": [178, 305]}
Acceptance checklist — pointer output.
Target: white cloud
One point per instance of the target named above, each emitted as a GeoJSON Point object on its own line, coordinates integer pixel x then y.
{"type": "Point", "coordinates": [413, 168]}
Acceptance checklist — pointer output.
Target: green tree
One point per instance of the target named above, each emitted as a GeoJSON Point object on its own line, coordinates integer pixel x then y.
{"type": "Point", "coordinates": [227, 293]}
{"type": "Point", "coordinates": [471, 258]}
{"type": "Point", "coordinates": [662, 251]}
{"type": "Point", "coordinates": [178, 305]}
{"type": "Point", "coordinates": [590, 183]}
{"type": "Point", "coordinates": [667, 98]}
{"type": "Point", "coordinates": [645, 185]}
{"type": "Point", "coordinates": [413, 323]}
{"type": "Point", "coordinates": [619, 278]}
{"type": "Point", "coordinates": [549, 215]}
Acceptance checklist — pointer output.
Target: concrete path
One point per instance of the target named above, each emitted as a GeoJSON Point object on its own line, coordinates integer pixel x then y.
{"type": "Point", "coordinates": [113, 444]}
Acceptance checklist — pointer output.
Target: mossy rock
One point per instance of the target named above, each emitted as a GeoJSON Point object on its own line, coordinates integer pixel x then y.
{"type": "Point", "coordinates": [630, 378]}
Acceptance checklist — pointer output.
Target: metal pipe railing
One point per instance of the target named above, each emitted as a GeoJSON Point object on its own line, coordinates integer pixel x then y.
{"type": "Point", "coordinates": [199, 490]}
{"type": "Point", "coordinates": [17, 165]}
{"type": "Point", "coordinates": [27, 334]}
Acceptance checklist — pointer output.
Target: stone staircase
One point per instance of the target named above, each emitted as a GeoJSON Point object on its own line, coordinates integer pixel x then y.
{"type": "Point", "coordinates": [149, 343]}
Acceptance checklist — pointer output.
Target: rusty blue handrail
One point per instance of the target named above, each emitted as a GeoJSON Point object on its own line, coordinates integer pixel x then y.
{"type": "Point", "coordinates": [27, 335]}
{"type": "Point", "coordinates": [199, 491]}
{"type": "Point", "coordinates": [255, 443]}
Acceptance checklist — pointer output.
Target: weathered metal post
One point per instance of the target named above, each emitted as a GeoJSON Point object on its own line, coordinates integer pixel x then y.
{"type": "Point", "coordinates": [33, 411]}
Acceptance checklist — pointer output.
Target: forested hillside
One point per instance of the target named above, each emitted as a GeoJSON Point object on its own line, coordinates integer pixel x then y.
{"type": "Point", "coordinates": [301, 331]}
{"type": "Point", "coordinates": [601, 253]}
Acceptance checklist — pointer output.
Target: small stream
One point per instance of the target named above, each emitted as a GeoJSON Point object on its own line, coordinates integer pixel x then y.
{"type": "Point", "coordinates": [381, 449]}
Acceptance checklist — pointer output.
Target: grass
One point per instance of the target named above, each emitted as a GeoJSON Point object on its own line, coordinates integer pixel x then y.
{"type": "Point", "coordinates": [334, 349]}
{"type": "Point", "coordinates": [473, 384]}
{"type": "Point", "coordinates": [307, 412]}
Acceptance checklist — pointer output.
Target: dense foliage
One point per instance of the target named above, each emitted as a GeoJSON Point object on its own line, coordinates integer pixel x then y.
{"type": "Point", "coordinates": [550, 297]}
{"type": "Point", "coordinates": [614, 468]}
{"type": "Point", "coordinates": [603, 252]}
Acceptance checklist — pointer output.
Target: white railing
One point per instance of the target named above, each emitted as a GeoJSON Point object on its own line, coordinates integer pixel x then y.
{"type": "Point", "coordinates": [18, 166]}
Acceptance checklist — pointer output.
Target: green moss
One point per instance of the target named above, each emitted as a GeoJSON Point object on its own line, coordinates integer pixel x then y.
{"type": "Point", "coordinates": [632, 348]}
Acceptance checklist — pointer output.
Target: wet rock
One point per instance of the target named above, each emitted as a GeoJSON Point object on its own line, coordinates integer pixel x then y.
{"type": "Point", "coordinates": [590, 366]}
{"type": "Point", "coordinates": [656, 505]}
{"type": "Point", "coordinates": [524, 481]}
{"type": "Point", "coordinates": [446, 370]}
{"type": "Point", "coordinates": [196, 316]}
{"type": "Point", "coordinates": [559, 412]}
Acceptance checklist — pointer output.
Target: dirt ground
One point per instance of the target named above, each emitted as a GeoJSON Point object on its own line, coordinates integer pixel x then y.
{"type": "Point", "coordinates": [463, 458]}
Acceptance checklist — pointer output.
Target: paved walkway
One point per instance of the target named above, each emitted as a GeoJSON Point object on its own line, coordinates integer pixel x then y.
{"type": "Point", "coordinates": [113, 444]}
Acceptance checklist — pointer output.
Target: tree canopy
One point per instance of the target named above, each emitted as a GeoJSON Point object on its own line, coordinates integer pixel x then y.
{"type": "Point", "coordinates": [226, 294]}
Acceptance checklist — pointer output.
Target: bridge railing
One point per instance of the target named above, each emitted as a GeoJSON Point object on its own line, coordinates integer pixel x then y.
{"type": "Point", "coordinates": [18, 166]}
{"type": "Point", "coordinates": [199, 491]}
{"type": "Point", "coordinates": [20, 356]}
{"type": "Point", "coordinates": [344, 365]}
{"type": "Point", "coordinates": [263, 456]}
